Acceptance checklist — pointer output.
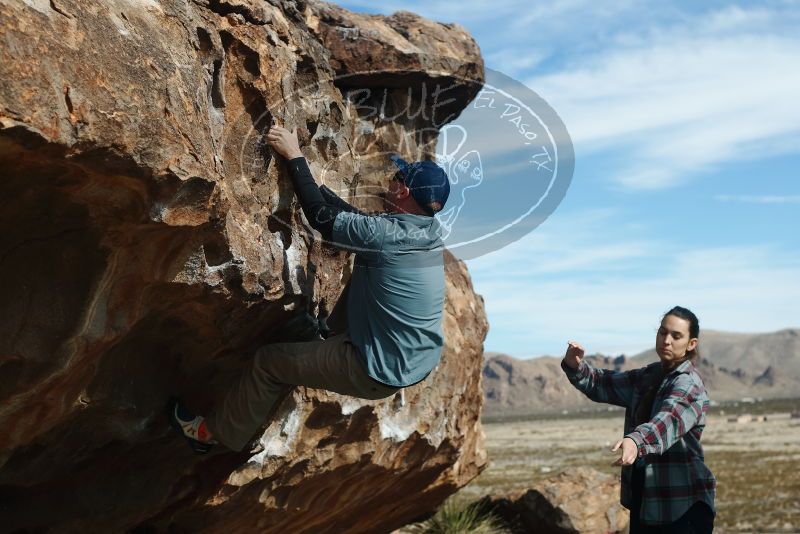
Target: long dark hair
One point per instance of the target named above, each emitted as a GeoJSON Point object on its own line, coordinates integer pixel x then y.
{"type": "Point", "coordinates": [694, 327]}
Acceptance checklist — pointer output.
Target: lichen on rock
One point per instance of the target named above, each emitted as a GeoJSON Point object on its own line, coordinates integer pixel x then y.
{"type": "Point", "coordinates": [151, 242]}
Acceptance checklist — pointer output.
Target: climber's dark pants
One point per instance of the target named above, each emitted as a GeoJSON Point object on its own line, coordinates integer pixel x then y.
{"type": "Point", "coordinates": [332, 364]}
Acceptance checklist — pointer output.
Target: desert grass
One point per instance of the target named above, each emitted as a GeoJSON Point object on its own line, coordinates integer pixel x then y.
{"type": "Point", "coordinates": [457, 516]}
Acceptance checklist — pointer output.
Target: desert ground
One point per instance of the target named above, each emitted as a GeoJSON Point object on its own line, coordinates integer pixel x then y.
{"type": "Point", "coordinates": [756, 463]}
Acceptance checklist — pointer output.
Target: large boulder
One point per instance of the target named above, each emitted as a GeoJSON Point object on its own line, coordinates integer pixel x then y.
{"type": "Point", "coordinates": [150, 242]}
{"type": "Point", "coordinates": [576, 500]}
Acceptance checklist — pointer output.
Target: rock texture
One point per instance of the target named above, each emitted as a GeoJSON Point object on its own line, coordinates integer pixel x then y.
{"type": "Point", "coordinates": [150, 242]}
{"type": "Point", "coordinates": [574, 501]}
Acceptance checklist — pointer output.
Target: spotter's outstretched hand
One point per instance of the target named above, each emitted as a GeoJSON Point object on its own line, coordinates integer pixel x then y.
{"type": "Point", "coordinates": [629, 452]}
{"type": "Point", "coordinates": [574, 354]}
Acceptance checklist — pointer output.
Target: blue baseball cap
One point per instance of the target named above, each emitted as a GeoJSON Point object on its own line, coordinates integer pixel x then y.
{"type": "Point", "coordinates": [426, 180]}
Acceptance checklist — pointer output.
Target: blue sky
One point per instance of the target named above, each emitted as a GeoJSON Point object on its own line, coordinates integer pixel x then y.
{"type": "Point", "coordinates": [686, 126]}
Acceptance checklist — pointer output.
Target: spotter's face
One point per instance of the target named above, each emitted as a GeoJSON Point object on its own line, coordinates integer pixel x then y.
{"type": "Point", "coordinates": [673, 340]}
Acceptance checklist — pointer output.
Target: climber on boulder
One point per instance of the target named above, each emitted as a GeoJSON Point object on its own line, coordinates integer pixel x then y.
{"type": "Point", "coordinates": [387, 322]}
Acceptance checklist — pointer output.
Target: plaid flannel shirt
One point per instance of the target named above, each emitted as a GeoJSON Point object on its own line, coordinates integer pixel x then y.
{"type": "Point", "coordinates": [675, 475]}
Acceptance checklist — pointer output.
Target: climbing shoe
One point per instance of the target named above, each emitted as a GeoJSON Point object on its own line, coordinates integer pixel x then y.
{"type": "Point", "coordinates": [191, 427]}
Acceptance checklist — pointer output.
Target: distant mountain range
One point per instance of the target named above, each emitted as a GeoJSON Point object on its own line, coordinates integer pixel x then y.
{"type": "Point", "coordinates": [733, 366]}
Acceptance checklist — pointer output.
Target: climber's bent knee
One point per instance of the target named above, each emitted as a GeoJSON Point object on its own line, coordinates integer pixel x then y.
{"type": "Point", "coordinates": [367, 387]}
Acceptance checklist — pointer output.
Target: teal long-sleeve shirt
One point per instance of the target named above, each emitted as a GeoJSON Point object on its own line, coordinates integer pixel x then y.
{"type": "Point", "coordinates": [397, 291]}
{"type": "Point", "coordinates": [396, 297]}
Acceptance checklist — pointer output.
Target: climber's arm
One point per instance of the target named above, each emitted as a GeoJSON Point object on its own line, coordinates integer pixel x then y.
{"type": "Point", "coordinates": [319, 212]}
{"type": "Point", "coordinates": [335, 200]}
{"type": "Point", "coordinates": [346, 229]}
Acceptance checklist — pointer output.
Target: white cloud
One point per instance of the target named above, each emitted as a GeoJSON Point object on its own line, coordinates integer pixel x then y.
{"type": "Point", "coordinates": [564, 16]}
{"type": "Point", "coordinates": [514, 35]}
{"type": "Point", "coordinates": [682, 100]}
{"type": "Point", "coordinates": [738, 18]}
{"type": "Point", "coordinates": [566, 244]}
{"type": "Point", "coordinates": [735, 288]}
{"type": "Point", "coordinates": [512, 59]}
{"type": "Point", "coordinates": [575, 278]}
{"type": "Point", "coordinates": [760, 199]}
